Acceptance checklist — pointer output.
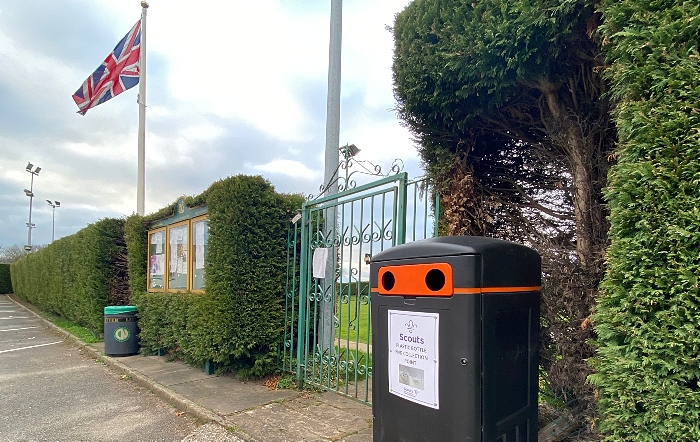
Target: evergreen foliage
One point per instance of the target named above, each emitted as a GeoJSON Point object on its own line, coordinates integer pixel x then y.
{"type": "Point", "coordinates": [509, 109]}
{"type": "Point", "coordinates": [238, 322]}
{"type": "Point", "coordinates": [648, 317]}
{"type": "Point", "coordinates": [78, 275]}
{"type": "Point", "coordinates": [136, 237]}
{"type": "Point", "coordinates": [5, 281]}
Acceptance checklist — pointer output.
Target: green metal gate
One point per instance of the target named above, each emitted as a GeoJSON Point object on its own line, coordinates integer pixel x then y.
{"type": "Point", "coordinates": [328, 336]}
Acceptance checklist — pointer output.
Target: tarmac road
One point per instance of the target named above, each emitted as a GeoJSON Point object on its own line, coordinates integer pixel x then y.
{"type": "Point", "coordinates": [51, 391]}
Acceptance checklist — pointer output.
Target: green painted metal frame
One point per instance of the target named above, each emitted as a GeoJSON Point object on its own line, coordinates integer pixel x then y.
{"type": "Point", "coordinates": [336, 362]}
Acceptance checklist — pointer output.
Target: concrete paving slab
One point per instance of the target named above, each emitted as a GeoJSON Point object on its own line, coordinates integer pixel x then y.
{"type": "Point", "coordinates": [272, 423]}
{"type": "Point", "coordinates": [362, 436]}
{"type": "Point", "coordinates": [156, 365]}
{"type": "Point", "coordinates": [225, 395]}
{"type": "Point", "coordinates": [345, 403]}
{"type": "Point", "coordinates": [306, 418]}
{"type": "Point", "coordinates": [170, 375]}
{"type": "Point", "coordinates": [159, 369]}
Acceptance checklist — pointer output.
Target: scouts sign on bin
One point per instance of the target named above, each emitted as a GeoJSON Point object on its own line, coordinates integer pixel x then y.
{"type": "Point", "coordinates": [455, 325]}
{"type": "Point", "coordinates": [413, 356]}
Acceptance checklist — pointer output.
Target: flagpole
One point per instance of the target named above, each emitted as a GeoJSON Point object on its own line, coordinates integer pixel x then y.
{"type": "Point", "coordinates": [141, 181]}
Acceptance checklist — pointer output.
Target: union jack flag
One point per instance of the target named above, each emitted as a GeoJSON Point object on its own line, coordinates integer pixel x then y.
{"type": "Point", "coordinates": [119, 72]}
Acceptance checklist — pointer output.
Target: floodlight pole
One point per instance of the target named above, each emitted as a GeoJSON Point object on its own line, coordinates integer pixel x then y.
{"type": "Point", "coordinates": [53, 222]}
{"type": "Point", "coordinates": [31, 198]}
{"type": "Point", "coordinates": [33, 171]}
{"type": "Point", "coordinates": [53, 204]}
{"type": "Point", "coordinates": [331, 166]}
{"type": "Point", "coordinates": [333, 100]}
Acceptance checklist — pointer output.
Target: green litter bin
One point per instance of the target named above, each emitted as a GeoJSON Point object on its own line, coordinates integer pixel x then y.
{"type": "Point", "coordinates": [121, 330]}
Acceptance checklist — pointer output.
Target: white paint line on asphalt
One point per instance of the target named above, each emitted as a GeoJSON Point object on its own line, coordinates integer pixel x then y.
{"type": "Point", "coordinates": [31, 346]}
{"type": "Point", "coordinates": [16, 317]}
{"type": "Point", "coordinates": [8, 311]}
{"type": "Point", "coordinates": [16, 329]}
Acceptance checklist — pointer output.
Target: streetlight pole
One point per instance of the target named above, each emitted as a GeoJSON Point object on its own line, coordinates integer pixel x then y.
{"type": "Point", "coordinates": [331, 164]}
{"type": "Point", "coordinates": [30, 193]}
{"type": "Point", "coordinates": [53, 216]}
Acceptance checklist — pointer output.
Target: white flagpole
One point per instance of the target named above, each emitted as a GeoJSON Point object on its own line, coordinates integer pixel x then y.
{"type": "Point", "coordinates": [141, 181]}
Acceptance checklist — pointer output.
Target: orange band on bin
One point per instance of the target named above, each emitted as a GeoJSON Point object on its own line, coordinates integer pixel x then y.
{"type": "Point", "coordinates": [416, 280]}
{"type": "Point", "coordinates": [480, 290]}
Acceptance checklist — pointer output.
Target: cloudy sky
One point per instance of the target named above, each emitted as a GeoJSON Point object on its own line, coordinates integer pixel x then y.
{"type": "Point", "coordinates": [234, 87]}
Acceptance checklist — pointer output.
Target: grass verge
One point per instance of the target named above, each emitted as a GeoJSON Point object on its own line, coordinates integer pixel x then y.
{"type": "Point", "coordinates": [83, 333]}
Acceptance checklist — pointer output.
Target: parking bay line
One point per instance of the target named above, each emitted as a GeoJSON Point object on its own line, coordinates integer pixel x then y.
{"type": "Point", "coordinates": [31, 346]}
{"type": "Point", "coordinates": [16, 329]}
{"type": "Point", "coordinates": [16, 317]}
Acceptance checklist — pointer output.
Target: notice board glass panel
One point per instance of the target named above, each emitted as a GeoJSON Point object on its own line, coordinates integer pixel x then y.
{"type": "Point", "coordinates": [156, 260]}
{"type": "Point", "coordinates": [200, 237]}
{"type": "Point", "coordinates": [177, 257]}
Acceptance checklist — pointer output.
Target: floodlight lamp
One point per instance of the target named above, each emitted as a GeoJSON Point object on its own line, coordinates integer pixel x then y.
{"type": "Point", "coordinates": [29, 167]}
{"type": "Point", "coordinates": [50, 203]}
{"type": "Point", "coordinates": [28, 192]}
{"type": "Point", "coordinates": [349, 150]}
{"type": "Point", "coordinates": [36, 171]}
{"type": "Point", "coordinates": [58, 204]}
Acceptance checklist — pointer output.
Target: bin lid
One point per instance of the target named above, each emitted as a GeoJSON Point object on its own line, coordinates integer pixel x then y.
{"type": "Point", "coordinates": [500, 263]}
{"type": "Point", "coordinates": [119, 309]}
{"type": "Point", "coordinates": [454, 245]}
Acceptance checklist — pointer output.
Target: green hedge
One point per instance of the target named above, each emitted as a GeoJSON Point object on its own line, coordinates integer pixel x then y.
{"type": "Point", "coordinates": [78, 275]}
{"type": "Point", "coordinates": [648, 317]}
{"type": "Point", "coordinates": [5, 281]}
{"type": "Point", "coordinates": [237, 323]}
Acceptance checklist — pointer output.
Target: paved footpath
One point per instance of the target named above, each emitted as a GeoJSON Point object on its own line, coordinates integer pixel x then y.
{"type": "Point", "coordinates": [247, 411]}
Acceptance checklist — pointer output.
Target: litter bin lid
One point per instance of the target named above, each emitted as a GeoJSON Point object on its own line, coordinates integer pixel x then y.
{"type": "Point", "coordinates": [117, 310]}
{"type": "Point", "coordinates": [454, 245]}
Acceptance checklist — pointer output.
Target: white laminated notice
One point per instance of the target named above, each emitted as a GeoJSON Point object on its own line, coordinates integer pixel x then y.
{"type": "Point", "coordinates": [319, 262]}
{"type": "Point", "coordinates": [414, 359]}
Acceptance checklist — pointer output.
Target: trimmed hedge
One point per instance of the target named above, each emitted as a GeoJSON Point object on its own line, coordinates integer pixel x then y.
{"type": "Point", "coordinates": [5, 281]}
{"type": "Point", "coordinates": [78, 275]}
{"type": "Point", "coordinates": [238, 322]}
{"type": "Point", "coordinates": [648, 317]}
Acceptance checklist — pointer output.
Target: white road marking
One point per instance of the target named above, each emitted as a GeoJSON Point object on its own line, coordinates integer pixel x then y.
{"type": "Point", "coordinates": [32, 346]}
{"type": "Point", "coordinates": [16, 317]}
{"type": "Point", "coordinates": [16, 329]}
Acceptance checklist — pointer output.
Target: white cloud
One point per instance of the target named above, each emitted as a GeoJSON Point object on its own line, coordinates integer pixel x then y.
{"type": "Point", "coordinates": [203, 132]}
{"type": "Point", "coordinates": [35, 77]}
{"type": "Point", "coordinates": [290, 168]}
{"type": "Point", "coordinates": [243, 63]}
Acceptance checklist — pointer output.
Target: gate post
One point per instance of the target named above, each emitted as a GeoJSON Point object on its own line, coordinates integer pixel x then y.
{"type": "Point", "coordinates": [303, 289]}
{"type": "Point", "coordinates": [400, 216]}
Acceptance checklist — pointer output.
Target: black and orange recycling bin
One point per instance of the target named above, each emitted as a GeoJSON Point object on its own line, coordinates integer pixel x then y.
{"type": "Point", "coordinates": [455, 324]}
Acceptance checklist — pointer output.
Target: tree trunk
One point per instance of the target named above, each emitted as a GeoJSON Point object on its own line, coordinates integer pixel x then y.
{"type": "Point", "coordinates": [566, 129]}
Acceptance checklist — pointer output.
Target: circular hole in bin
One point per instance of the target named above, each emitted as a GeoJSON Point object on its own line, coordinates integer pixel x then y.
{"type": "Point", "coordinates": [435, 280]}
{"type": "Point", "coordinates": [388, 280]}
